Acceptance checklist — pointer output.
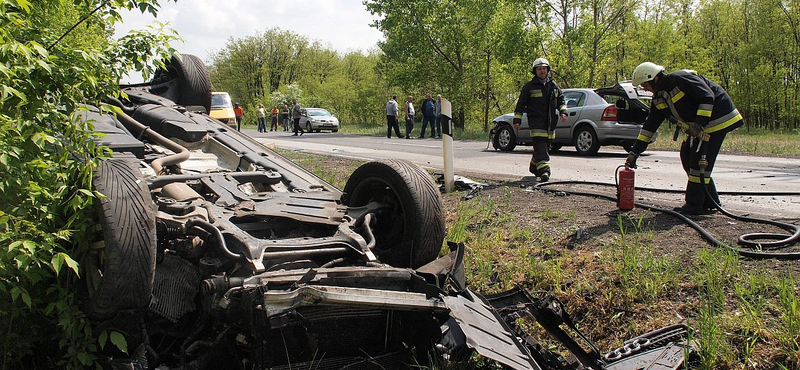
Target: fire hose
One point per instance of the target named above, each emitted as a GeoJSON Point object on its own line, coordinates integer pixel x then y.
{"type": "Point", "coordinates": [749, 246]}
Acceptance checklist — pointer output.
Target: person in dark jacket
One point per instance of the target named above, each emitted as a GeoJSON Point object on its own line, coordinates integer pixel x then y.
{"type": "Point", "coordinates": [428, 116]}
{"type": "Point", "coordinates": [706, 114]}
{"type": "Point", "coordinates": [540, 98]}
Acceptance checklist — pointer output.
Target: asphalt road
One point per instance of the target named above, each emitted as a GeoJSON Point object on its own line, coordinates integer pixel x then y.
{"type": "Point", "coordinates": [657, 169]}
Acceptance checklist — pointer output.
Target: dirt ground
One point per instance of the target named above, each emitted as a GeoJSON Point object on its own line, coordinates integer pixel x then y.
{"type": "Point", "coordinates": [597, 217]}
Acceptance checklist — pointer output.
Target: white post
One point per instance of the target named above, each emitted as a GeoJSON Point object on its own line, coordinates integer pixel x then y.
{"type": "Point", "coordinates": [447, 146]}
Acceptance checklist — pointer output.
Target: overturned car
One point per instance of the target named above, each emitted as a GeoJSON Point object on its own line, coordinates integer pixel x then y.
{"type": "Point", "coordinates": [219, 253]}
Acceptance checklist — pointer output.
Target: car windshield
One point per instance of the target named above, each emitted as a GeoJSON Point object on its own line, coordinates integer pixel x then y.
{"type": "Point", "coordinates": [221, 101]}
{"type": "Point", "coordinates": [318, 112]}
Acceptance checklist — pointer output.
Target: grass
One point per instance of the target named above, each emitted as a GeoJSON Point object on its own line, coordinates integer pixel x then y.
{"type": "Point", "coordinates": [744, 316]}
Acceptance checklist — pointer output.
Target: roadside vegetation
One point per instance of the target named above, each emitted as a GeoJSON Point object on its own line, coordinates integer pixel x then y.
{"type": "Point", "coordinates": [624, 274]}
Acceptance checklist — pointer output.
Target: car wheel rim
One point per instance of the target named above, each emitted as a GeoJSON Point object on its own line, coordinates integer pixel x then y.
{"type": "Point", "coordinates": [504, 138]}
{"type": "Point", "coordinates": [584, 140]}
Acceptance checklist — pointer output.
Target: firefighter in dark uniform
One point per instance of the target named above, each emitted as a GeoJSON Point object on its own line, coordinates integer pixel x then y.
{"type": "Point", "coordinates": [541, 98]}
{"type": "Point", "coordinates": [706, 114]}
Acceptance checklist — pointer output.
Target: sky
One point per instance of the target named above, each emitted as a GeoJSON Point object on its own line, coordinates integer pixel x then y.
{"type": "Point", "coordinates": [206, 25]}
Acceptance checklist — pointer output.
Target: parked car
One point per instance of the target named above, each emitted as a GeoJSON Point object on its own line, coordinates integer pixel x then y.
{"type": "Point", "coordinates": [596, 117]}
{"type": "Point", "coordinates": [318, 119]}
{"type": "Point", "coordinates": [217, 252]}
{"type": "Point", "coordinates": [222, 108]}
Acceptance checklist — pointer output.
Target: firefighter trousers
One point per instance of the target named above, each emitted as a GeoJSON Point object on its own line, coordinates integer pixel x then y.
{"type": "Point", "coordinates": [690, 156]}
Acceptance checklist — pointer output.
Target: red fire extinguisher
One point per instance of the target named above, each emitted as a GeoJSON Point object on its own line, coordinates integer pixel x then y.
{"type": "Point", "coordinates": [625, 188]}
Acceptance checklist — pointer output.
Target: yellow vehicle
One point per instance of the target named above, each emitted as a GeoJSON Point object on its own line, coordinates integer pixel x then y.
{"type": "Point", "coordinates": [222, 108]}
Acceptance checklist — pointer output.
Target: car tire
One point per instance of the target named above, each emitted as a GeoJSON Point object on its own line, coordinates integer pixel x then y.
{"type": "Point", "coordinates": [505, 139]}
{"type": "Point", "coordinates": [409, 229]}
{"type": "Point", "coordinates": [119, 276]}
{"type": "Point", "coordinates": [308, 127]}
{"type": "Point", "coordinates": [186, 82]}
{"type": "Point", "coordinates": [586, 141]}
{"type": "Point", "coordinates": [334, 130]}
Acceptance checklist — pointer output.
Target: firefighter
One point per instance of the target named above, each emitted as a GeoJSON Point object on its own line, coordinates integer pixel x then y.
{"type": "Point", "coordinates": [704, 111]}
{"type": "Point", "coordinates": [540, 98]}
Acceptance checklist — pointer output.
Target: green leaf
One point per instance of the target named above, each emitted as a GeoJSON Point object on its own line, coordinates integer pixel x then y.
{"type": "Point", "coordinates": [103, 339]}
{"type": "Point", "coordinates": [26, 298]}
{"type": "Point", "coordinates": [72, 264]}
{"type": "Point", "coordinates": [29, 245]}
{"type": "Point", "coordinates": [119, 341]}
{"type": "Point", "coordinates": [57, 261]}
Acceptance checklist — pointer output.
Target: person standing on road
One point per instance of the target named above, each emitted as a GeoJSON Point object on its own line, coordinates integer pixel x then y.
{"type": "Point", "coordinates": [409, 116]}
{"type": "Point", "coordinates": [428, 116]}
{"type": "Point", "coordinates": [285, 117]}
{"type": "Point", "coordinates": [437, 113]}
{"type": "Point", "coordinates": [239, 113]}
{"type": "Point", "coordinates": [704, 111]}
{"type": "Point", "coordinates": [274, 123]}
{"type": "Point", "coordinates": [540, 98]}
{"type": "Point", "coordinates": [392, 112]}
{"type": "Point", "coordinates": [296, 118]}
{"type": "Point", "coordinates": [261, 114]}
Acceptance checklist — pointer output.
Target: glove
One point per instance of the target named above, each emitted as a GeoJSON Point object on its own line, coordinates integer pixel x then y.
{"type": "Point", "coordinates": [696, 130]}
{"type": "Point", "coordinates": [630, 162]}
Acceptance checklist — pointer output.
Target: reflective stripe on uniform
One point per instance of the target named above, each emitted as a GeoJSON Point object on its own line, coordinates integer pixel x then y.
{"type": "Point", "coordinates": [536, 93]}
{"type": "Point", "coordinates": [696, 179]}
{"type": "Point", "coordinates": [517, 115]}
{"type": "Point", "coordinates": [539, 133]}
{"type": "Point", "coordinates": [678, 95]}
{"type": "Point", "coordinates": [645, 135]}
{"type": "Point", "coordinates": [705, 110]}
{"type": "Point", "coordinates": [723, 122]}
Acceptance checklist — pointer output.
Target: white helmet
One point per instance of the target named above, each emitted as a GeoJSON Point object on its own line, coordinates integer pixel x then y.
{"type": "Point", "coordinates": [540, 62]}
{"type": "Point", "coordinates": [646, 72]}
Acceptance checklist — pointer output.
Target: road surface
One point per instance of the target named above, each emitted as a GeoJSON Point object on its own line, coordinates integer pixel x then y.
{"type": "Point", "coordinates": [657, 169]}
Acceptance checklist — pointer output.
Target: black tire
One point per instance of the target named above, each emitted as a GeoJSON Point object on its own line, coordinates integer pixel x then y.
{"type": "Point", "coordinates": [308, 127]}
{"type": "Point", "coordinates": [505, 139]}
{"type": "Point", "coordinates": [409, 230]}
{"type": "Point", "coordinates": [586, 141]}
{"type": "Point", "coordinates": [555, 147]}
{"type": "Point", "coordinates": [334, 130]}
{"type": "Point", "coordinates": [185, 81]}
{"type": "Point", "coordinates": [119, 276]}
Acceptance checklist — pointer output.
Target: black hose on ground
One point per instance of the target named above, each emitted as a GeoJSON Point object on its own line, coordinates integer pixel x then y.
{"type": "Point", "coordinates": [752, 249]}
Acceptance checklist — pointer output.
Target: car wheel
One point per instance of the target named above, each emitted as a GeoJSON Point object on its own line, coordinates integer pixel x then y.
{"type": "Point", "coordinates": [505, 139]}
{"type": "Point", "coordinates": [187, 82]}
{"type": "Point", "coordinates": [555, 147]}
{"type": "Point", "coordinates": [119, 275]}
{"type": "Point", "coordinates": [586, 141]}
{"type": "Point", "coordinates": [334, 130]}
{"type": "Point", "coordinates": [409, 228]}
{"type": "Point", "coordinates": [308, 127]}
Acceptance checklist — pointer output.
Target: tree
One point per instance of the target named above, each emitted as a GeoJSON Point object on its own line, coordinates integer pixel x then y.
{"type": "Point", "coordinates": [56, 56]}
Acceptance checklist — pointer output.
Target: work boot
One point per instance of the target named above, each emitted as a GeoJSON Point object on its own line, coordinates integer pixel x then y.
{"type": "Point", "coordinates": [545, 176]}
{"type": "Point", "coordinates": [532, 168]}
